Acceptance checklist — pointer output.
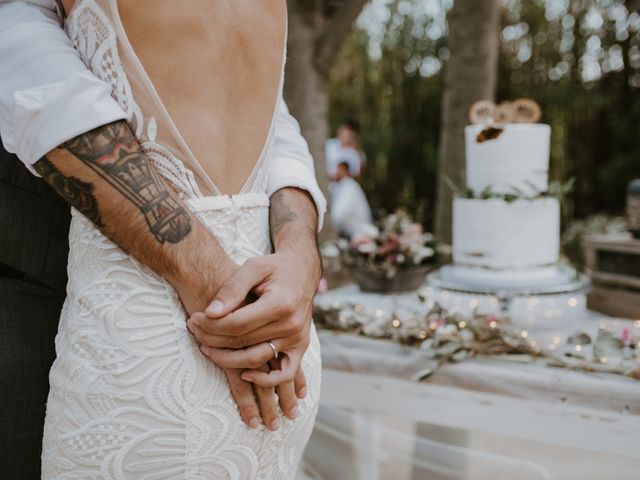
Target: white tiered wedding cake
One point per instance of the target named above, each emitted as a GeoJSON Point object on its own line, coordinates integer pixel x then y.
{"type": "Point", "coordinates": [506, 232]}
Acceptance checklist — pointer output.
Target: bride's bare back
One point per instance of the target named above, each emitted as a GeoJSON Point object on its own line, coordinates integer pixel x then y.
{"type": "Point", "coordinates": [216, 66]}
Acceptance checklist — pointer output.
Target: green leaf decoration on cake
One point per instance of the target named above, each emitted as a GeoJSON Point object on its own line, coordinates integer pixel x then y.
{"type": "Point", "coordinates": [555, 189]}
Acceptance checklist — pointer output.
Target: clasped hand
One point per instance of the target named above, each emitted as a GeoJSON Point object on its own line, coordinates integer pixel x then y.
{"type": "Point", "coordinates": [234, 333]}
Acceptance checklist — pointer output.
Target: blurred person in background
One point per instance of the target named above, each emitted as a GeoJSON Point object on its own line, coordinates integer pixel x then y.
{"type": "Point", "coordinates": [350, 209]}
{"type": "Point", "coordinates": [345, 147]}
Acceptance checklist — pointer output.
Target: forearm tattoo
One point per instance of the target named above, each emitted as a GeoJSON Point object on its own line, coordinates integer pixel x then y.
{"type": "Point", "coordinates": [281, 214]}
{"type": "Point", "coordinates": [114, 154]}
{"type": "Point", "coordinates": [73, 190]}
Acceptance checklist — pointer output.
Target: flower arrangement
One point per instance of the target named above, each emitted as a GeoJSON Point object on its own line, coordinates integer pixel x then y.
{"type": "Point", "coordinates": [395, 243]}
{"type": "Point", "coordinates": [393, 255]}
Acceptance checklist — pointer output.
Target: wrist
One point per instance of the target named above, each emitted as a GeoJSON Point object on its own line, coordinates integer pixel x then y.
{"type": "Point", "coordinates": [305, 254]}
{"type": "Point", "coordinates": [197, 289]}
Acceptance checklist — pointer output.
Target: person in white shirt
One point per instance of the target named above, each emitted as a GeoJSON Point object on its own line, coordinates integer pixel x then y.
{"type": "Point", "coordinates": [345, 147]}
{"type": "Point", "coordinates": [178, 196]}
{"type": "Point", "coordinates": [350, 209]}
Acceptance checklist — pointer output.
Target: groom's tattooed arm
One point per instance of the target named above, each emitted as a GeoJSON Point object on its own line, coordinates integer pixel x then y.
{"type": "Point", "coordinates": [293, 221]}
{"type": "Point", "coordinates": [106, 176]}
{"type": "Point", "coordinates": [114, 154]}
{"type": "Point", "coordinates": [73, 190]}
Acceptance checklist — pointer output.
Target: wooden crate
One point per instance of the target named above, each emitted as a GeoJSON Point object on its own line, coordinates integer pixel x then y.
{"type": "Point", "coordinates": [614, 264]}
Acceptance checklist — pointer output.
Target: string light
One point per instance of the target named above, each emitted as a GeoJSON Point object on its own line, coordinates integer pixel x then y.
{"type": "Point", "coordinates": [457, 310]}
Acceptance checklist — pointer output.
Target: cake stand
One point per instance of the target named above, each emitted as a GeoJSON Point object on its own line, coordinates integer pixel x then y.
{"type": "Point", "coordinates": [568, 281]}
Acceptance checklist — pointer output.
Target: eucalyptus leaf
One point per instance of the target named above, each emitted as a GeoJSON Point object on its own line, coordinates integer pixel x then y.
{"type": "Point", "coordinates": [460, 355]}
{"type": "Point", "coordinates": [580, 338]}
{"type": "Point", "coordinates": [607, 346]}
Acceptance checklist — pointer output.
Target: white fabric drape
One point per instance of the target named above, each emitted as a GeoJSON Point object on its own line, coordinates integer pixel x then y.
{"type": "Point", "coordinates": [482, 418]}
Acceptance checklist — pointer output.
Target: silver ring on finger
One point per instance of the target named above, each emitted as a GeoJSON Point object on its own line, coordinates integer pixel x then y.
{"type": "Point", "coordinates": [276, 354]}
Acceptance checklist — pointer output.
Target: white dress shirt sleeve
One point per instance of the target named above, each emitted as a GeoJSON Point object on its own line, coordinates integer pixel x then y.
{"type": "Point", "coordinates": [47, 94]}
{"type": "Point", "coordinates": [292, 162]}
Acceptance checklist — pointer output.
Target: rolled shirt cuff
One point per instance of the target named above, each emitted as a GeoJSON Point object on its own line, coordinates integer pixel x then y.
{"type": "Point", "coordinates": [49, 115]}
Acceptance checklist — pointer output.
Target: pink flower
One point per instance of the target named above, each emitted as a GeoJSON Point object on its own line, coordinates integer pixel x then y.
{"type": "Point", "coordinates": [323, 286]}
{"type": "Point", "coordinates": [627, 337]}
{"type": "Point", "coordinates": [439, 322]}
{"type": "Point", "coordinates": [389, 247]}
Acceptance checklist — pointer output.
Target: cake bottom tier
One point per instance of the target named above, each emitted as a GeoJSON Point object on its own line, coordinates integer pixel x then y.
{"type": "Point", "coordinates": [538, 279]}
{"type": "Point", "coordinates": [497, 235]}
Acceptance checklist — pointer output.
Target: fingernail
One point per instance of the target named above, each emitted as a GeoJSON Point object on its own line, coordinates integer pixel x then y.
{"type": "Point", "coordinates": [254, 422]}
{"type": "Point", "coordinates": [302, 392]}
{"type": "Point", "coordinates": [216, 307]}
{"type": "Point", "coordinates": [295, 413]}
{"type": "Point", "coordinates": [275, 425]}
{"type": "Point", "coordinates": [245, 377]}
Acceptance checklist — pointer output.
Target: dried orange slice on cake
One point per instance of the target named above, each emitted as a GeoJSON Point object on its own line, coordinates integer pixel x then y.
{"type": "Point", "coordinates": [482, 112]}
{"type": "Point", "coordinates": [526, 110]}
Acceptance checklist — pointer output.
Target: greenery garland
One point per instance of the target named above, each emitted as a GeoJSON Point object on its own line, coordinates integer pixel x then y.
{"type": "Point", "coordinates": [452, 337]}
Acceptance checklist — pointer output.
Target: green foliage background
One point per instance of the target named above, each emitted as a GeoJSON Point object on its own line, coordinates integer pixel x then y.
{"type": "Point", "coordinates": [580, 59]}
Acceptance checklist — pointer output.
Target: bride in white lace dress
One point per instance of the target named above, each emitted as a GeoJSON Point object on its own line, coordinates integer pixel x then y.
{"type": "Point", "coordinates": [131, 394]}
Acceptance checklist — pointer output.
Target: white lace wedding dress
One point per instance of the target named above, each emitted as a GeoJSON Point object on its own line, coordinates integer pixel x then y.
{"type": "Point", "coordinates": [131, 395]}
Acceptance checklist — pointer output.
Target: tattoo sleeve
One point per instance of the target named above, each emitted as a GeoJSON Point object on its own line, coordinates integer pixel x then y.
{"type": "Point", "coordinates": [114, 154]}
{"type": "Point", "coordinates": [73, 190]}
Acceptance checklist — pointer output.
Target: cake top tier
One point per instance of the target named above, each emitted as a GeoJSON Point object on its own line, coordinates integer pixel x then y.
{"type": "Point", "coordinates": [509, 158]}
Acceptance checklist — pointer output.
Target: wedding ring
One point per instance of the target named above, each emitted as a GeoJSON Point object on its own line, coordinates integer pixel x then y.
{"type": "Point", "coordinates": [276, 354]}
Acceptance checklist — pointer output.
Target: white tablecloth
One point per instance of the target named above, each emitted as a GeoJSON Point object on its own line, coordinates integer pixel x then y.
{"type": "Point", "coordinates": [481, 418]}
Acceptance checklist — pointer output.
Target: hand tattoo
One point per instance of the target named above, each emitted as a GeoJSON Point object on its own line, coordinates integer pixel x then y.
{"type": "Point", "coordinates": [114, 154]}
{"type": "Point", "coordinates": [73, 190]}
